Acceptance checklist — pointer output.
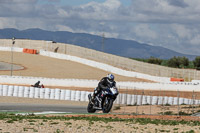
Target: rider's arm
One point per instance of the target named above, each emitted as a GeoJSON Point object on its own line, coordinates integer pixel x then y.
{"type": "Point", "coordinates": [101, 84]}
{"type": "Point", "coordinates": [114, 84]}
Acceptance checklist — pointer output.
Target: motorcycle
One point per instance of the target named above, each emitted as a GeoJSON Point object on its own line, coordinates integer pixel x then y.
{"type": "Point", "coordinates": [103, 101]}
{"type": "Point", "coordinates": [38, 86]}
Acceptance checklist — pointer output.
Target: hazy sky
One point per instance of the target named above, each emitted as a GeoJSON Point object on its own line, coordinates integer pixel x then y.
{"type": "Point", "coordinates": [174, 24]}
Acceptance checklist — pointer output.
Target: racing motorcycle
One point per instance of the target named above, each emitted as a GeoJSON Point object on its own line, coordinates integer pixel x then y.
{"type": "Point", "coordinates": [103, 101]}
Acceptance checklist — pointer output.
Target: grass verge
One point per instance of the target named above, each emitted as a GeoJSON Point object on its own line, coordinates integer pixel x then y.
{"type": "Point", "coordinates": [10, 118]}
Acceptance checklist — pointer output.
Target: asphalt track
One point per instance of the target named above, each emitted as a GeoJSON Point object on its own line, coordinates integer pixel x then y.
{"type": "Point", "coordinates": [19, 107]}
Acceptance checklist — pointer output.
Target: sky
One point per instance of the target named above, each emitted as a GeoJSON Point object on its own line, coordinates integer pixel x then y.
{"type": "Point", "coordinates": [173, 24]}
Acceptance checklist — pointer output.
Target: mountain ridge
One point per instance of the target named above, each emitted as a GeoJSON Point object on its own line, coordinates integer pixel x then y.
{"type": "Point", "coordinates": [120, 47]}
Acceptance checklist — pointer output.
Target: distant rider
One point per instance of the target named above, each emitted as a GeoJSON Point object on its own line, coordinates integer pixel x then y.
{"type": "Point", "coordinates": [106, 82]}
{"type": "Point", "coordinates": [37, 84]}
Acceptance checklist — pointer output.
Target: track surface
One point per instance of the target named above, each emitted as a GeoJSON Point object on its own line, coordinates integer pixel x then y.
{"type": "Point", "coordinates": [22, 107]}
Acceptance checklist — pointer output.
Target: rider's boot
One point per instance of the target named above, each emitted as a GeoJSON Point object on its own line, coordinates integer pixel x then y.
{"type": "Point", "coordinates": [92, 99]}
{"type": "Point", "coordinates": [94, 95]}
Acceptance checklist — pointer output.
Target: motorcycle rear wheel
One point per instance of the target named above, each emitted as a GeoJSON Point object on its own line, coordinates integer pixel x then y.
{"type": "Point", "coordinates": [90, 108]}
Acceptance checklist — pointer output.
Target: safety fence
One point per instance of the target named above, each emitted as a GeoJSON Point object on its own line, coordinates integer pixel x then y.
{"type": "Point", "coordinates": [76, 95]}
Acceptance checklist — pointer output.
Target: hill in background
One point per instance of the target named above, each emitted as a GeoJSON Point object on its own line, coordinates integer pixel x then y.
{"type": "Point", "coordinates": [120, 47]}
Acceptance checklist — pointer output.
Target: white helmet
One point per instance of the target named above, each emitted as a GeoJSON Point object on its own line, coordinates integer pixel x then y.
{"type": "Point", "coordinates": [110, 77]}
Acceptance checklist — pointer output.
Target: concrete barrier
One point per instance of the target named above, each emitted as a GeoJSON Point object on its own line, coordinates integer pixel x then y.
{"type": "Point", "coordinates": [52, 93]}
{"type": "Point", "coordinates": [5, 90]}
{"type": "Point", "coordinates": [62, 94]}
{"type": "Point", "coordinates": [47, 93]}
{"type": "Point", "coordinates": [10, 90]}
{"type": "Point", "coordinates": [32, 92]}
{"type": "Point", "coordinates": [16, 91]}
{"type": "Point", "coordinates": [67, 94]}
{"type": "Point", "coordinates": [58, 94]}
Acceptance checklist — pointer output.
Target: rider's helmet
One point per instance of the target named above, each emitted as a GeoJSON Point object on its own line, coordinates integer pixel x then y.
{"type": "Point", "coordinates": [110, 77]}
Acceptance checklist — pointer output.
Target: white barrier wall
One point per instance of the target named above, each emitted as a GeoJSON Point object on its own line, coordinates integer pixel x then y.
{"type": "Point", "coordinates": [58, 94]}
{"type": "Point", "coordinates": [15, 92]}
{"type": "Point", "coordinates": [1, 90]}
{"type": "Point", "coordinates": [32, 92]}
{"type": "Point", "coordinates": [14, 49]}
{"type": "Point", "coordinates": [103, 66]}
{"type": "Point", "coordinates": [67, 95]}
{"type": "Point", "coordinates": [52, 93]}
{"type": "Point", "coordinates": [37, 93]}
{"type": "Point", "coordinates": [62, 94]}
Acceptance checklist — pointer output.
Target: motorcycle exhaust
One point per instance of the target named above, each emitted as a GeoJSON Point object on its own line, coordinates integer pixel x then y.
{"type": "Point", "coordinates": [97, 108]}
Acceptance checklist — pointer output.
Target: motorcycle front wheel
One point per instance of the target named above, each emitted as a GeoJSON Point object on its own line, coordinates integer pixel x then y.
{"type": "Point", "coordinates": [107, 105]}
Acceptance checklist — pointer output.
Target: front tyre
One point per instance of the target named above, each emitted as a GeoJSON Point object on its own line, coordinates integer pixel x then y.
{"type": "Point", "coordinates": [107, 105]}
{"type": "Point", "coordinates": [90, 108]}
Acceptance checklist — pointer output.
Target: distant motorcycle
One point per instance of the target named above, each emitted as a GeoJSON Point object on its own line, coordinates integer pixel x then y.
{"type": "Point", "coordinates": [37, 85]}
{"type": "Point", "coordinates": [103, 101]}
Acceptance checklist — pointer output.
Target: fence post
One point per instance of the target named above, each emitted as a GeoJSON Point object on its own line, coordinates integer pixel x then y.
{"type": "Point", "coordinates": [150, 102]}
{"type": "Point", "coordinates": [163, 98]}
{"type": "Point", "coordinates": [193, 102]}
{"type": "Point", "coordinates": [178, 102]}
{"type": "Point", "coordinates": [136, 104]}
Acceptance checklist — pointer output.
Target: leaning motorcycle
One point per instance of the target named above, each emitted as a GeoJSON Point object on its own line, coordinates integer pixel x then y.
{"type": "Point", "coordinates": [103, 101]}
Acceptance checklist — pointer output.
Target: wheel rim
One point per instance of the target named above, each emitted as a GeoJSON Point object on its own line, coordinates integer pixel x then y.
{"type": "Point", "coordinates": [106, 103]}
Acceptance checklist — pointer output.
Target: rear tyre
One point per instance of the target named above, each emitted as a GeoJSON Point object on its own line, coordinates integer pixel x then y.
{"type": "Point", "coordinates": [107, 105]}
{"type": "Point", "coordinates": [90, 108]}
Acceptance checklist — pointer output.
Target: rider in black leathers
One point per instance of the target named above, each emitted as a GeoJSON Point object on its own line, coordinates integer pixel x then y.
{"type": "Point", "coordinates": [37, 84]}
{"type": "Point", "coordinates": [106, 82]}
